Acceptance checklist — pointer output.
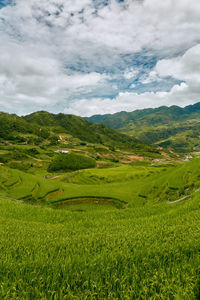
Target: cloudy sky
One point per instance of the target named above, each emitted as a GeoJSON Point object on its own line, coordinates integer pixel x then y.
{"type": "Point", "coordinates": [98, 56]}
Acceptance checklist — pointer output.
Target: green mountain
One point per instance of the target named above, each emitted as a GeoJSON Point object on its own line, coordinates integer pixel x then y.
{"type": "Point", "coordinates": [87, 131]}
{"type": "Point", "coordinates": [12, 127]}
{"type": "Point", "coordinates": [33, 142]}
{"type": "Point", "coordinates": [149, 117]}
{"type": "Point", "coordinates": [169, 127]}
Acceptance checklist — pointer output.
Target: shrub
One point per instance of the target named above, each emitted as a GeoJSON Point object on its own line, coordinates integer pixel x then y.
{"type": "Point", "coordinates": [20, 166]}
{"type": "Point", "coordinates": [3, 158]}
{"type": "Point", "coordinates": [18, 154]}
{"type": "Point", "coordinates": [32, 151]}
{"type": "Point", "coordinates": [71, 162]}
{"type": "Point", "coordinates": [54, 140]}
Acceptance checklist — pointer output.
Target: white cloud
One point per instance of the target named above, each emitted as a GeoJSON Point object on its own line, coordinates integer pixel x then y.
{"type": "Point", "coordinates": [129, 101]}
{"type": "Point", "coordinates": [185, 68]}
{"type": "Point", "coordinates": [151, 77]}
{"type": "Point", "coordinates": [131, 73]}
{"type": "Point", "coordinates": [56, 52]}
{"type": "Point", "coordinates": [132, 86]}
{"type": "Point", "coordinates": [38, 80]}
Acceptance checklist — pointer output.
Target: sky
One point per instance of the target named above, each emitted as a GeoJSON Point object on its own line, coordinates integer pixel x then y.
{"type": "Point", "coordinates": [87, 57]}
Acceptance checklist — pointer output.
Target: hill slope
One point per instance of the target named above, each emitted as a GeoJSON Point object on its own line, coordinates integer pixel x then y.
{"type": "Point", "coordinates": [12, 125]}
{"type": "Point", "coordinates": [169, 127]}
{"type": "Point", "coordinates": [84, 130]}
{"type": "Point", "coordinates": [149, 117]}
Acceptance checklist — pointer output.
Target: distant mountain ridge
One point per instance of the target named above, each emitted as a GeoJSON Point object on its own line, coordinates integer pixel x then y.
{"type": "Point", "coordinates": [141, 131]}
{"type": "Point", "coordinates": [148, 116]}
{"type": "Point", "coordinates": [169, 127]}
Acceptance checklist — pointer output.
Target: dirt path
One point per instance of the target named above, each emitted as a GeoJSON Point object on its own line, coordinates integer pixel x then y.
{"type": "Point", "coordinates": [184, 198]}
{"type": "Point", "coordinates": [54, 177]}
{"type": "Point", "coordinates": [179, 200]}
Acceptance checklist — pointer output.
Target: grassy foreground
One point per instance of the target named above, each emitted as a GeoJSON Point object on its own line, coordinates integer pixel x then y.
{"type": "Point", "coordinates": [149, 252]}
{"type": "Point", "coordinates": [119, 235]}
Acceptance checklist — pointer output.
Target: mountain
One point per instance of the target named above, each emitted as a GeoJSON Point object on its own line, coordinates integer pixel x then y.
{"type": "Point", "coordinates": [87, 131]}
{"type": "Point", "coordinates": [169, 127]}
{"type": "Point", "coordinates": [148, 117]}
{"type": "Point", "coordinates": [11, 126]}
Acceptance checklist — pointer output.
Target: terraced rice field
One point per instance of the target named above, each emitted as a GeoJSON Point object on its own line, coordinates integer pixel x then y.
{"type": "Point", "coordinates": [149, 252]}
{"type": "Point", "coordinates": [101, 233]}
{"type": "Point", "coordinates": [135, 185]}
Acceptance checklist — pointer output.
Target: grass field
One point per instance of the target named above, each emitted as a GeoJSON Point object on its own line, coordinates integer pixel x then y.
{"type": "Point", "coordinates": [135, 184]}
{"type": "Point", "coordinates": [149, 252]}
{"type": "Point", "coordinates": [116, 233]}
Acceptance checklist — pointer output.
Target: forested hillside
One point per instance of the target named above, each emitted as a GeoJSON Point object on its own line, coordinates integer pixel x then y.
{"type": "Point", "coordinates": [86, 131]}
{"type": "Point", "coordinates": [149, 117]}
{"type": "Point", "coordinates": [169, 127]}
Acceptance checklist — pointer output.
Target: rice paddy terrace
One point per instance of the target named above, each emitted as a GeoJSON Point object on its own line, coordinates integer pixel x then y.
{"type": "Point", "coordinates": [88, 237]}
{"type": "Point", "coordinates": [125, 229]}
{"type": "Point", "coordinates": [129, 184]}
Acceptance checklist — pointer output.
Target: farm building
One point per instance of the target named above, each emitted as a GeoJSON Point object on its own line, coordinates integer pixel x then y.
{"type": "Point", "coordinates": [61, 151]}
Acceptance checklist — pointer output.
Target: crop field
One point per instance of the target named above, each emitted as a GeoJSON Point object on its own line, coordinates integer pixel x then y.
{"type": "Point", "coordinates": [149, 252]}
{"type": "Point", "coordinates": [134, 184]}
{"type": "Point", "coordinates": [130, 231]}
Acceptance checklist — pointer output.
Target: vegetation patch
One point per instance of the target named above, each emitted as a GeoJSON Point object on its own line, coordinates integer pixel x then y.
{"type": "Point", "coordinates": [72, 162]}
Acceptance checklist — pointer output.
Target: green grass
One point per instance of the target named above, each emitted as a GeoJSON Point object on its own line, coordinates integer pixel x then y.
{"type": "Point", "coordinates": [94, 248]}
{"type": "Point", "coordinates": [149, 252]}
{"type": "Point", "coordinates": [134, 184]}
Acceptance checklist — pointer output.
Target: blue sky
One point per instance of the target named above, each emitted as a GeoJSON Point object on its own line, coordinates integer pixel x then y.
{"type": "Point", "coordinates": [5, 3]}
{"type": "Point", "coordinates": [93, 57]}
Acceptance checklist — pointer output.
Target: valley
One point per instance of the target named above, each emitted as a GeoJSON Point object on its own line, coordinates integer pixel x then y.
{"type": "Point", "coordinates": [99, 150]}
{"type": "Point", "coordinates": [95, 216]}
